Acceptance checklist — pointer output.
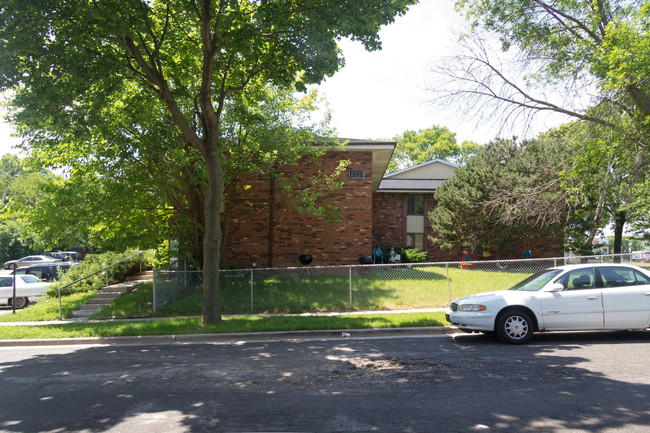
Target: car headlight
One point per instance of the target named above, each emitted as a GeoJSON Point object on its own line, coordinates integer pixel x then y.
{"type": "Point", "coordinates": [471, 307]}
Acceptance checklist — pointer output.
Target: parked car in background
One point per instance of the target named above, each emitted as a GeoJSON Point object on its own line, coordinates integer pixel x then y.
{"type": "Point", "coordinates": [30, 260]}
{"type": "Point", "coordinates": [564, 298]}
{"type": "Point", "coordinates": [29, 289]}
{"type": "Point", "coordinates": [66, 256]}
{"type": "Point", "coordinates": [73, 255]}
{"type": "Point", "coordinates": [57, 255]}
{"type": "Point", "coordinates": [46, 271]}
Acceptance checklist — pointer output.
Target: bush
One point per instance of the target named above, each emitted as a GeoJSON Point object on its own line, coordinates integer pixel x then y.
{"type": "Point", "coordinates": [411, 255]}
{"type": "Point", "coordinates": [94, 263]}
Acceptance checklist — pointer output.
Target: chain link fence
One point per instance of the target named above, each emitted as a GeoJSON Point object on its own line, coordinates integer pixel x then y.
{"type": "Point", "coordinates": [353, 288]}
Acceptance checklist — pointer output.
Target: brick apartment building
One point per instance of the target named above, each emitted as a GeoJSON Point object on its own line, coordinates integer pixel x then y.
{"type": "Point", "coordinates": [264, 228]}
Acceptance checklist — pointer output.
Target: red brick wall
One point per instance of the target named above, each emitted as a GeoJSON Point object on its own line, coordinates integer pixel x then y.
{"type": "Point", "coordinates": [389, 224]}
{"type": "Point", "coordinates": [293, 233]}
{"type": "Point", "coordinates": [389, 219]}
{"type": "Point", "coordinates": [272, 233]}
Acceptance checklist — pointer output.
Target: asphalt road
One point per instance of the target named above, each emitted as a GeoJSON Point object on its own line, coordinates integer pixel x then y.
{"type": "Point", "coordinates": [596, 382]}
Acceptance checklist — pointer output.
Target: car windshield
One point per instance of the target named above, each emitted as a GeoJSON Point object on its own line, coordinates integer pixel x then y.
{"type": "Point", "coordinates": [536, 281]}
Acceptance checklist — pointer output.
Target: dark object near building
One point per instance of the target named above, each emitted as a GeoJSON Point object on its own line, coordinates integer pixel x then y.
{"type": "Point", "coordinates": [365, 260]}
{"type": "Point", "coordinates": [45, 271]}
{"type": "Point", "coordinates": [305, 259]}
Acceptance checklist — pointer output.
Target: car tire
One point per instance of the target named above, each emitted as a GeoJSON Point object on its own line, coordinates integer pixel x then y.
{"type": "Point", "coordinates": [515, 327]}
{"type": "Point", "coordinates": [20, 302]}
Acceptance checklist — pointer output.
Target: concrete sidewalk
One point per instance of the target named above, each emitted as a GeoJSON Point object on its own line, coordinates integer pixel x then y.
{"type": "Point", "coordinates": [235, 337]}
{"type": "Point", "coordinates": [225, 337]}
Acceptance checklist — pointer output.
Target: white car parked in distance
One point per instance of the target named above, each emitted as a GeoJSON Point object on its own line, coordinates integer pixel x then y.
{"type": "Point", "coordinates": [573, 297]}
{"type": "Point", "coordinates": [28, 289]}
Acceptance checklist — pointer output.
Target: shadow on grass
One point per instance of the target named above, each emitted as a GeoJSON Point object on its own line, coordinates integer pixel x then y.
{"type": "Point", "coordinates": [370, 289]}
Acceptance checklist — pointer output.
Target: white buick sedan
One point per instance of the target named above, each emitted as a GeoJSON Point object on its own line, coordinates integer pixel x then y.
{"type": "Point", "coordinates": [575, 297]}
{"type": "Point", "coordinates": [28, 289]}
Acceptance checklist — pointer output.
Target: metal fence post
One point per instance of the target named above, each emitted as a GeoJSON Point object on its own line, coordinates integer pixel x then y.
{"type": "Point", "coordinates": [154, 292]}
{"type": "Point", "coordinates": [252, 308]}
{"type": "Point", "coordinates": [350, 280]}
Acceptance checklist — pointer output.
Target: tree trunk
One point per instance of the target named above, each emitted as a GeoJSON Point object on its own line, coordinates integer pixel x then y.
{"type": "Point", "coordinates": [619, 222]}
{"type": "Point", "coordinates": [212, 240]}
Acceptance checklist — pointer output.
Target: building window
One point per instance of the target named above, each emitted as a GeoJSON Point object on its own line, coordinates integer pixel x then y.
{"type": "Point", "coordinates": [356, 174]}
{"type": "Point", "coordinates": [415, 240]}
{"type": "Point", "coordinates": [415, 204]}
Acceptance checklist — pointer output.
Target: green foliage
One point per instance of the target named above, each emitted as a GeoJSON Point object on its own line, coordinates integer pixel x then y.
{"type": "Point", "coordinates": [508, 191]}
{"type": "Point", "coordinates": [437, 142]}
{"type": "Point", "coordinates": [202, 68]}
{"type": "Point", "coordinates": [23, 189]}
{"type": "Point", "coordinates": [161, 256]}
{"type": "Point", "coordinates": [92, 264]}
{"type": "Point", "coordinates": [411, 255]}
{"type": "Point", "coordinates": [570, 46]}
{"type": "Point", "coordinates": [607, 183]}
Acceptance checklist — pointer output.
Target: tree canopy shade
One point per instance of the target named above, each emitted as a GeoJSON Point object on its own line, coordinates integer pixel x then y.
{"type": "Point", "coordinates": [64, 59]}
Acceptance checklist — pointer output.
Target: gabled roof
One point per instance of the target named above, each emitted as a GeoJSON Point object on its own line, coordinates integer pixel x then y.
{"type": "Point", "coordinates": [421, 165]}
{"type": "Point", "coordinates": [424, 177]}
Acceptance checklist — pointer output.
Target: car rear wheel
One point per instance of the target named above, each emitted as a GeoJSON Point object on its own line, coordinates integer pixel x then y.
{"type": "Point", "coordinates": [515, 327]}
{"type": "Point", "coordinates": [20, 302]}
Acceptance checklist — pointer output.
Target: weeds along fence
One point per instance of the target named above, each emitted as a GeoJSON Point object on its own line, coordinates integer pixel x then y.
{"type": "Point", "coordinates": [353, 287]}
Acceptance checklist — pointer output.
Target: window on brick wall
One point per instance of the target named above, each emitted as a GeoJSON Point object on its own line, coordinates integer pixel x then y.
{"type": "Point", "coordinates": [415, 240]}
{"type": "Point", "coordinates": [415, 204]}
{"type": "Point", "coordinates": [356, 174]}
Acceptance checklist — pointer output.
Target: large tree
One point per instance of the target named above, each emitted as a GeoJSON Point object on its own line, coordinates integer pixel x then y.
{"type": "Point", "coordinates": [607, 179]}
{"type": "Point", "coordinates": [508, 191]}
{"type": "Point", "coordinates": [22, 190]}
{"type": "Point", "coordinates": [64, 58]}
{"type": "Point", "coordinates": [559, 56]}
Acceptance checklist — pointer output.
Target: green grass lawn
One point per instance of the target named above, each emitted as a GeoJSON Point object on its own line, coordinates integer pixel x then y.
{"type": "Point", "coordinates": [234, 324]}
{"type": "Point", "coordinates": [376, 289]}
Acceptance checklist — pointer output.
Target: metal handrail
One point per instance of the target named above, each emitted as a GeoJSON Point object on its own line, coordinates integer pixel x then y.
{"type": "Point", "coordinates": [90, 275]}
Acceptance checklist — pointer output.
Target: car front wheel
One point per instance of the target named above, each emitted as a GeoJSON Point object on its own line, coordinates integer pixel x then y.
{"type": "Point", "coordinates": [515, 327]}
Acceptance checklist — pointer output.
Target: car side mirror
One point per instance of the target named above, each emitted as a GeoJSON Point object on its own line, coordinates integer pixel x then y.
{"type": "Point", "coordinates": [556, 287]}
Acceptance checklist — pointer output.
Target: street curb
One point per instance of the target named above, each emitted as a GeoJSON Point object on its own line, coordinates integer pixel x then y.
{"type": "Point", "coordinates": [229, 337]}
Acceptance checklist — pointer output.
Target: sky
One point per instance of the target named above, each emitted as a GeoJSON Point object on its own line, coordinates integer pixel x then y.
{"type": "Point", "coordinates": [381, 94]}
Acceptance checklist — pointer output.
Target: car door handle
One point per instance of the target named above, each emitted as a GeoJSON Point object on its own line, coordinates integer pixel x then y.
{"type": "Point", "coordinates": [592, 297]}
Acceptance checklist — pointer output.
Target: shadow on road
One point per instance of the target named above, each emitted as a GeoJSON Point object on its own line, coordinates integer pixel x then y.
{"type": "Point", "coordinates": [558, 382]}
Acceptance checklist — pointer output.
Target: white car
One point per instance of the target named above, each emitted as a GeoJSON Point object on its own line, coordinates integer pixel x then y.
{"type": "Point", "coordinates": [28, 289]}
{"type": "Point", "coordinates": [574, 297]}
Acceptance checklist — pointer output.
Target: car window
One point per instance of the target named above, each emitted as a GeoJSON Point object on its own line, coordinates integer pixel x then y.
{"type": "Point", "coordinates": [536, 281]}
{"type": "Point", "coordinates": [6, 282]}
{"type": "Point", "coordinates": [641, 278]}
{"type": "Point", "coordinates": [30, 279]}
{"type": "Point", "coordinates": [38, 272]}
{"type": "Point", "coordinates": [617, 277]}
{"type": "Point", "coordinates": [578, 279]}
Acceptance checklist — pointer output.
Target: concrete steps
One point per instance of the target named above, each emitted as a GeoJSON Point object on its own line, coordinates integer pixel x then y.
{"type": "Point", "coordinates": [110, 293]}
